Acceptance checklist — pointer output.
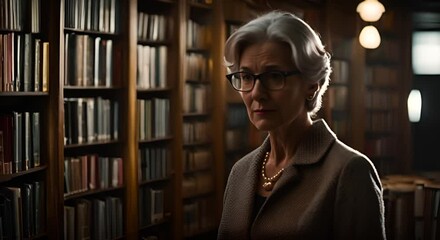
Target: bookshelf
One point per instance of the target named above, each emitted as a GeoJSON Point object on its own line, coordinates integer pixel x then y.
{"type": "Point", "coordinates": [24, 120]}
{"type": "Point", "coordinates": [156, 107]}
{"type": "Point", "coordinates": [202, 116]}
{"type": "Point", "coordinates": [340, 108]}
{"type": "Point", "coordinates": [385, 116]}
{"type": "Point", "coordinates": [237, 125]}
{"type": "Point", "coordinates": [93, 90]}
{"type": "Point", "coordinates": [376, 123]}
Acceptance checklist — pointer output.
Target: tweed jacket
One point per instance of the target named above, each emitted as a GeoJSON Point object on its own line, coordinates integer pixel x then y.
{"type": "Point", "coordinates": [330, 191]}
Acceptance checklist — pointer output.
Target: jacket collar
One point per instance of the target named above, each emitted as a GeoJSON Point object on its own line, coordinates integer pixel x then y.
{"type": "Point", "coordinates": [311, 149]}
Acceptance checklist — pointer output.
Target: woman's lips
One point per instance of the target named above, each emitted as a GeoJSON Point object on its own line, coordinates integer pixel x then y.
{"type": "Point", "coordinates": [263, 111]}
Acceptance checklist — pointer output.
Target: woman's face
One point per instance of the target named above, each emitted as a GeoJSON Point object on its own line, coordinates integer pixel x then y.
{"type": "Point", "coordinates": [270, 110]}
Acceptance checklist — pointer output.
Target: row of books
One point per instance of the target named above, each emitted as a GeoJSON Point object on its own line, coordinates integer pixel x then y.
{"type": "Point", "coordinates": [237, 128]}
{"type": "Point", "coordinates": [197, 183]}
{"type": "Point", "coordinates": [237, 116]}
{"type": "Point", "coordinates": [197, 216]}
{"type": "Point", "coordinates": [19, 141]}
{"type": "Point", "coordinates": [380, 121]}
{"type": "Point", "coordinates": [235, 139]}
{"type": "Point", "coordinates": [340, 71]}
{"type": "Point", "coordinates": [195, 98]}
{"type": "Point", "coordinates": [154, 118]}
{"type": "Point", "coordinates": [341, 126]}
{"type": "Point", "coordinates": [96, 218]}
{"type": "Point", "coordinates": [24, 63]}
{"type": "Point", "coordinates": [197, 67]}
{"type": "Point", "coordinates": [196, 132]}
{"type": "Point", "coordinates": [92, 15]}
{"type": "Point", "coordinates": [89, 172]}
{"type": "Point", "coordinates": [337, 97]}
{"type": "Point", "coordinates": [196, 34]}
{"type": "Point", "coordinates": [378, 99]}
{"type": "Point", "coordinates": [151, 205]}
{"type": "Point", "coordinates": [152, 27]}
{"type": "Point", "coordinates": [377, 147]}
{"type": "Point", "coordinates": [16, 15]}
{"type": "Point", "coordinates": [381, 76]}
{"type": "Point", "coordinates": [88, 61]}
{"type": "Point", "coordinates": [152, 66]}
{"type": "Point", "coordinates": [89, 120]}
{"type": "Point", "coordinates": [22, 211]}
{"type": "Point", "coordinates": [387, 52]}
{"type": "Point", "coordinates": [154, 163]}
{"type": "Point", "coordinates": [412, 207]}
{"type": "Point", "coordinates": [196, 159]}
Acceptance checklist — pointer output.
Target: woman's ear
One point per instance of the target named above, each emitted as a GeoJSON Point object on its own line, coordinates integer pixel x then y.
{"type": "Point", "coordinates": [312, 90]}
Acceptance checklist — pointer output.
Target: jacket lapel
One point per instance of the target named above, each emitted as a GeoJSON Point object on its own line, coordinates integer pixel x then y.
{"type": "Point", "coordinates": [311, 150]}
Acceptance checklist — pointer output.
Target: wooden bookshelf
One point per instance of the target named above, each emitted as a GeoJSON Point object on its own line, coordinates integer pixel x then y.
{"type": "Point", "coordinates": [340, 101]}
{"type": "Point", "coordinates": [26, 119]}
{"type": "Point", "coordinates": [202, 108]}
{"type": "Point", "coordinates": [373, 117]}
{"type": "Point", "coordinates": [156, 36]}
{"type": "Point", "coordinates": [387, 124]}
{"type": "Point", "coordinates": [94, 162]}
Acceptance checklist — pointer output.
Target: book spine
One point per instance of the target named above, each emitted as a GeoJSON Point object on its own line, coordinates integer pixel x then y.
{"type": "Point", "coordinates": [45, 71]}
{"type": "Point", "coordinates": [36, 139]}
{"type": "Point", "coordinates": [27, 69]}
{"type": "Point", "coordinates": [27, 141]}
{"type": "Point", "coordinates": [18, 139]}
{"type": "Point", "coordinates": [37, 65]}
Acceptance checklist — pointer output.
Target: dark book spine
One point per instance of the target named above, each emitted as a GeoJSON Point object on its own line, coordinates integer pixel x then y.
{"type": "Point", "coordinates": [28, 210]}
{"type": "Point", "coordinates": [36, 139]}
{"type": "Point", "coordinates": [27, 164]}
{"type": "Point", "coordinates": [27, 61]}
{"type": "Point", "coordinates": [18, 140]}
{"type": "Point", "coordinates": [7, 216]}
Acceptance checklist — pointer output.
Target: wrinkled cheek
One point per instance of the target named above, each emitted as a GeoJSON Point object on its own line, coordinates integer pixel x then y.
{"type": "Point", "coordinates": [259, 122]}
{"type": "Point", "coordinates": [250, 115]}
{"type": "Point", "coordinates": [248, 106]}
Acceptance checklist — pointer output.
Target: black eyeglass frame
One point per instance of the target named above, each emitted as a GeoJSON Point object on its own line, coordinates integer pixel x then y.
{"type": "Point", "coordinates": [257, 76]}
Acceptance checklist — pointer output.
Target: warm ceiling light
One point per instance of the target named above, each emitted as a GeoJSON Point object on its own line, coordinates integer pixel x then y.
{"type": "Point", "coordinates": [370, 10]}
{"type": "Point", "coordinates": [369, 37]}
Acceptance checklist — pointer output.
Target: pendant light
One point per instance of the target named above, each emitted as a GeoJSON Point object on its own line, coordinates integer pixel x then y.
{"type": "Point", "coordinates": [370, 10]}
{"type": "Point", "coordinates": [369, 37]}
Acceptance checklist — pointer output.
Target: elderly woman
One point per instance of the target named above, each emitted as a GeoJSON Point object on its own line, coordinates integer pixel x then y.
{"type": "Point", "coordinates": [302, 182]}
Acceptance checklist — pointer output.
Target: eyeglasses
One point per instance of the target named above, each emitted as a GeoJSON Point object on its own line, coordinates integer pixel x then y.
{"type": "Point", "coordinates": [272, 80]}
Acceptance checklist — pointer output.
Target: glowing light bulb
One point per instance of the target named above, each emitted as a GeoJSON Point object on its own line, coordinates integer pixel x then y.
{"type": "Point", "coordinates": [370, 10]}
{"type": "Point", "coordinates": [369, 37]}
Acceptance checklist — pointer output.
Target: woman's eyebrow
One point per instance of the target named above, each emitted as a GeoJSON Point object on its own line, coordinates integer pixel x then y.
{"type": "Point", "coordinates": [265, 68]}
{"type": "Point", "coordinates": [246, 69]}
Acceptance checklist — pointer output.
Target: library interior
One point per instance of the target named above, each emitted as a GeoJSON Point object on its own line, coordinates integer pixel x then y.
{"type": "Point", "coordinates": [117, 120]}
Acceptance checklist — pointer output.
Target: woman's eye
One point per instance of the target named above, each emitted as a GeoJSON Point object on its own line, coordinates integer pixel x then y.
{"type": "Point", "coordinates": [275, 76]}
{"type": "Point", "coordinates": [246, 77]}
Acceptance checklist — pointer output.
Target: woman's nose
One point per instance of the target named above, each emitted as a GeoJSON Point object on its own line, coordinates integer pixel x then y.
{"type": "Point", "coordinates": [259, 91]}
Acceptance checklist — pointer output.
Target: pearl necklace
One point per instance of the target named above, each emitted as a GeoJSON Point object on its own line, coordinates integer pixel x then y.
{"type": "Point", "coordinates": [269, 182]}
